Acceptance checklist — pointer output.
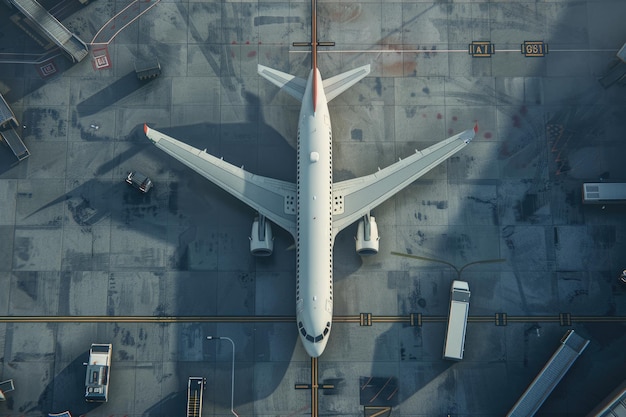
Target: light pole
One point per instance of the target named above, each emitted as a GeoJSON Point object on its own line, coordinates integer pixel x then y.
{"type": "Point", "coordinates": [232, 378]}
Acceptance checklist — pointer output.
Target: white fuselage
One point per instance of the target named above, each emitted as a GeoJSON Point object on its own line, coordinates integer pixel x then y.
{"type": "Point", "coordinates": [314, 239]}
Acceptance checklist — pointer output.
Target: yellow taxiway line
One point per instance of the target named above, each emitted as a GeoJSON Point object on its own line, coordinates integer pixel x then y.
{"type": "Point", "coordinates": [290, 319]}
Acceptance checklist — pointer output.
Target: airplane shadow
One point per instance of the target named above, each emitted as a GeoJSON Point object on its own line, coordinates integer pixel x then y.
{"type": "Point", "coordinates": [253, 144]}
{"type": "Point", "coordinates": [179, 193]}
{"type": "Point", "coordinates": [66, 391]}
{"type": "Point", "coordinates": [109, 95]}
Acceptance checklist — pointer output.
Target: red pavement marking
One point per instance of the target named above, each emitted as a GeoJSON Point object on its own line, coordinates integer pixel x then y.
{"type": "Point", "coordinates": [124, 18]}
{"type": "Point", "coordinates": [101, 58]}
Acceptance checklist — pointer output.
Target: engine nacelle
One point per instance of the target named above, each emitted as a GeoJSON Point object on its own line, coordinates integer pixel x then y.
{"type": "Point", "coordinates": [367, 236]}
{"type": "Point", "coordinates": [261, 240]}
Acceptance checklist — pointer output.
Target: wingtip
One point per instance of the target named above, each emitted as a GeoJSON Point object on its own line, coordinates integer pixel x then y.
{"type": "Point", "coordinates": [469, 134]}
{"type": "Point", "coordinates": [145, 128]}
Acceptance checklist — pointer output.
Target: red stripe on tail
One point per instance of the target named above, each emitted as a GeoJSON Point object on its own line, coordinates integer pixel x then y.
{"type": "Point", "coordinates": [314, 50]}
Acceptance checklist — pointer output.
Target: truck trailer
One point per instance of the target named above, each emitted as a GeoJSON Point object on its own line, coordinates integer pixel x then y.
{"type": "Point", "coordinates": [604, 193]}
{"type": "Point", "coordinates": [454, 345]}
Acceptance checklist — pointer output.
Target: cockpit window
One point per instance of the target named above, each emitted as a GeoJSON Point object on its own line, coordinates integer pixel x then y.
{"type": "Point", "coordinates": [309, 337]}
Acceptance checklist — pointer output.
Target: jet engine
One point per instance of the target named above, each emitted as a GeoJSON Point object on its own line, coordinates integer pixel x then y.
{"type": "Point", "coordinates": [261, 240]}
{"type": "Point", "coordinates": [367, 236]}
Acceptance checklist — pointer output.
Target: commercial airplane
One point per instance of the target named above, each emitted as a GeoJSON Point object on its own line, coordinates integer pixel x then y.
{"type": "Point", "coordinates": [314, 209]}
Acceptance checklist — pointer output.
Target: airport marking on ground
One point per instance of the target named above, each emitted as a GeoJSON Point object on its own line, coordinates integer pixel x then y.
{"type": "Point", "coordinates": [534, 48]}
{"type": "Point", "coordinates": [564, 319]}
{"type": "Point", "coordinates": [124, 18]}
{"type": "Point", "coordinates": [101, 58]}
{"type": "Point", "coordinates": [481, 49]}
{"type": "Point", "coordinates": [314, 388]}
{"type": "Point", "coordinates": [397, 49]}
{"type": "Point", "coordinates": [376, 411]}
{"type": "Point", "coordinates": [100, 42]}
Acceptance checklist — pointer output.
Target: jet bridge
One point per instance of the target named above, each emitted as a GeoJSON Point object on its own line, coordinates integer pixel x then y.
{"type": "Point", "coordinates": [614, 405]}
{"type": "Point", "coordinates": [8, 123]}
{"type": "Point", "coordinates": [571, 347]}
{"type": "Point", "coordinates": [49, 26]}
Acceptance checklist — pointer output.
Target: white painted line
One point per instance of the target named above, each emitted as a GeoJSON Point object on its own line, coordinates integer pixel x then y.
{"type": "Point", "coordinates": [380, 51]}
{"type": "Point", "coordinates": [123, 27]}
{"type": "Point", "coordinates": [434, 51]}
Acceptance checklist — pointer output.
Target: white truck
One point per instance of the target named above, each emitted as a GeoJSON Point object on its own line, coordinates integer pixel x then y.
{"type": "Point", "coordinates": [454, 345]}
{"type": "Point", "coordinates": [604, 193]}
{"type": "Point", "coordinates": [97, 378]}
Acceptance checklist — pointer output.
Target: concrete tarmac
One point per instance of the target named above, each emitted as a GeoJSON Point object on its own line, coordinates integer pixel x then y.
{"type": "Point", "coordinates": [76, 241]}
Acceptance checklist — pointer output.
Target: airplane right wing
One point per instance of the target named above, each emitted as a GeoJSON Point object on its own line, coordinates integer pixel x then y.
{"type": "Point", "coordinates": [275, 199]}
{"type": "Point", "coordinates": [336, 85]}
{"type": "Point", "coordinates": [355, 198]}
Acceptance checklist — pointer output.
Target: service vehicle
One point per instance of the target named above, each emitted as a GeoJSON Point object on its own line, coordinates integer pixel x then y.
{"type": "Point", "coordinates": [98, 367]}
{"type": "Point", "coordinates": [454, 345]}
{"type": "Point", "coordinates": [195, 388]}
{"type": "Point", "coordinates": [139, 181]}
{"type": "Point", "coordinates": [604, 193]}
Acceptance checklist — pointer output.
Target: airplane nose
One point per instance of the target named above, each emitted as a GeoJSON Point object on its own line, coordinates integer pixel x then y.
{"type": "Point", "coordinates": [314, 349]}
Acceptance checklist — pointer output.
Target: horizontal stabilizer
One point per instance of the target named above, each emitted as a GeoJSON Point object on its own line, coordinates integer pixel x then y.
{"type": "Point", "coordinates": [340, 83]}
{"type": "Point", "coordinates": [291, 84]}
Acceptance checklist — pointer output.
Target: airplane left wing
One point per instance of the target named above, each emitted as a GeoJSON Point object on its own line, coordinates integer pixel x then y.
{"type": "Point", "coordinates": [272, 198]}
{"type": "Point", "coordinates": [355, 198]}
{"type": "Point", "coordinates": [292, 85]}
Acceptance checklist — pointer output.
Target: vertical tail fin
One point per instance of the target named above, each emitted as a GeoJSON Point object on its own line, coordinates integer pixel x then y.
{"type": "Point", "coordinates": [295, 86]}
{"type": "Point", "coordinates": [314, 35]}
